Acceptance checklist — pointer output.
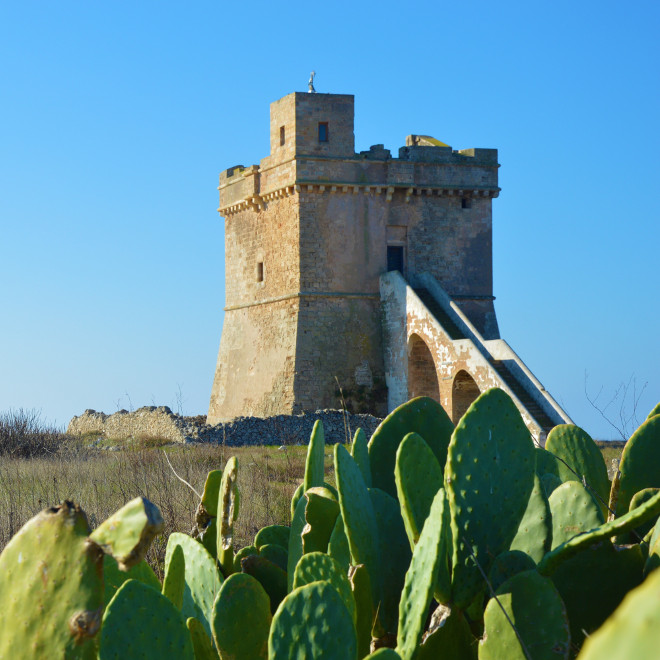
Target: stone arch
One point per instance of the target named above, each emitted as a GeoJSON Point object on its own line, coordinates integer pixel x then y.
{"type": "Point", "coordinates": [464, 391]}
{"type": "Point", "coordinates": [422, 376]}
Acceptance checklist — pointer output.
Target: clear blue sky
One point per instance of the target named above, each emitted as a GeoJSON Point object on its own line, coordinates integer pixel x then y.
{"type": "Point", "coordinates": [117, 117]}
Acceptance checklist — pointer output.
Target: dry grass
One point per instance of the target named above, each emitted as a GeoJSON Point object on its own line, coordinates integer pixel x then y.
{"type": "Point", "coordinates": [102, 481]}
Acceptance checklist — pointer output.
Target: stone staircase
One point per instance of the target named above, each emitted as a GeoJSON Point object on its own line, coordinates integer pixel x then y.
{"type": "Point", "coordinates": [509, 377]}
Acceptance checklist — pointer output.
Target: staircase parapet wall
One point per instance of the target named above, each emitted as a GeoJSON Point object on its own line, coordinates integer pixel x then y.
{"type": "Point", "coordinates": [501, 350]}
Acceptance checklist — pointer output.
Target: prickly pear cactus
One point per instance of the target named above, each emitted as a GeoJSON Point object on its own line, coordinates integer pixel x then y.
{"type": "Point", "coordinates": [174, 581]}
{"type": "Point", "coordinates": [507, 565]}
{"type": "Point", "coordinates": [202, 578]}
{"type": "Point", "coordinates": [273, 535]}
{"type": "Point", "coordinates": [359, 518]}
{"type": "Point", "coordinates": [418, 478]}
{"type": "Point", "coordinates": [317, 566]}
{"type": "Point", "coordinates": [534, 535]}
{"type": "Point", "coordinates": [272, 578]}
{"type": "Point", "coordinates": [321, 513]}
{"type": "Point", "coordinates": [593, 583]}
{"type": "Point", "coordinates": [51, 590]}
{"type": "Point", "coordinates": [202, 645]}
{"type": "Point", "coordinates": [140, 622]}
{"type": "Point", "coordinates": [580, 459]}
{"type": "Point", "coordinates": [364, 609]}
{"type": "Point", "coordinates": [128, 533]}
{"type": "Point", "coordinates": [338, 545]}
{"type": "Point", "coordinates": [633, 631]}
{"type": "Point", "coordinates": [574, 511]}
{"type": "Point", "coordinates": [534, 607]}
{"type": "Point", "coordinates": [546, 463]}
{"type": "Point", "coordinates": [655, 411]}
{"type": "Point", "coordinates": [395, 555]}
{"type": "Point", "coordinates": [360, 454]}
{"type": "Point", "coordinates": [113, 578]}
{"type": "Point", "coordinates": [640, 463]}
{"type": "Point", "coordinates": [553, 559]}
{"type": "Point", "coordinates": [448, 636]}
{"type": "Point", "coordinates": [421, 415]}
{"type": "Point", "coordinates": [489, 477]}
{"type": "Point", "coordinates": [312, 622]}
{"type": "Point", "coordinates": [241, 618]}
{"type": "Point", "coordinates": [420, 580]}
{"type": "Point", "coordinates": [314, 465]}
{"type": "Point", "coordinates": [274, 553]}
{"type": "Point", "coordinates": [228, 504]}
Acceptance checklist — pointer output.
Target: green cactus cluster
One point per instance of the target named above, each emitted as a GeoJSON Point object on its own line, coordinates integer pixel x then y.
{"type": "Point", "coordinates": [464, 542]}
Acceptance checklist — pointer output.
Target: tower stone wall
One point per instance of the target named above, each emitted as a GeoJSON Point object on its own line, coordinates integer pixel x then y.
{"type": "Point", "coordinates": [308, 235]}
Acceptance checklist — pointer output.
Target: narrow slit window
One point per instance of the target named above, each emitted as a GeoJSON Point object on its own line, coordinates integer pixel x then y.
{"type": "Point", "coordinates": [466, 203]}
{"type": "Point", "coordinates": [323, 131]}
{"type": "Point", "coordinates": [282, 136]}
{"type": "Point", "coordinates": [260, 271]}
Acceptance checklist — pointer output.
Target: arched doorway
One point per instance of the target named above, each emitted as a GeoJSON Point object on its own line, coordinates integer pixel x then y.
{"type": "Point", "coordinates": [463, 392]}
{"type": "Point", "coordinates": [422, 376]}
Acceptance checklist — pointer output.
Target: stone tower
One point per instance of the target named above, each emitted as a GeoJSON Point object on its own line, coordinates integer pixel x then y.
{"type": "Point", "coordinates": [362, 271]}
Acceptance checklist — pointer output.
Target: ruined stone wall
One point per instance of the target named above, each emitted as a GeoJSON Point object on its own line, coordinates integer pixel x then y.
{"type": "Point", "coordinates": [151, 422]}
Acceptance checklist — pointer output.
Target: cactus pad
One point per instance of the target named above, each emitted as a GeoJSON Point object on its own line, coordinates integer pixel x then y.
{"type": "Point", "coordinates": [580, 459]}
{"type": "Point", "coordinates": [202, 645]}
{"type": "Point", "coordinates": [128, 533]}
{"type": "Point", "coordinates": [140, 622]}
{"type": "Point", "coordinates": [534, 535]}
{"type": "Point", "coordinates": [449, 636]}
{"type": "Point", "coordinates": [418, 478]}
{"type": "Point", "coordinates": [315, 462]}
{"type": "Point", "coordinates": [174, 581]}
{"type": "Point", "coordinates": [113, 578]}
{"type": "Point", "coordinates": [228, 505]}
{"type": "Point", "coordinates": [275, 553]}
{"type": "Point", "coordinates": [202, 578]}
{"type": "Point", "coordinates": [420, 580]}
{"type": "Point", "coordinates": [507, 565]}
{"type": "Point", "coordinates": [573, 546]}
{"type": "Point", "coordinates": [421, 415]}
{"type": "Point", "coordinates": [312, 622]}
{"type": "Point", "coordinates": [272, 578]}
{"type": "Point", "coordinates": [51, 591]}
{"type": "Point", "coordinates": [536, 610]}
{"type": "Point", "coordinates": [338, 545]}
{"type": "Point", "coordinates": [640, 463]}
{"type": "Point", "coordinates": [241, 618]}
{"type": "Point", "coordinates": [489, 477]}
{"type": "Point", "coordinates": [593, 583]}
{"type": "Point", "coordinates": [273, 534]}
{"type": "Point", "coordinates": [633, 631]}
{"type": "Point", "coordinates": [394, 553]}
{"type": "Point", "coordinates": [574, 511]}
{"type": "Point", "coordinates": [360, 454]}
{"type": "Point", "coordinates": [317, 566]}
{"type": "Point", "coordinates": [321, 513]}
{"type": "Point", "coordinates": [359, 518]}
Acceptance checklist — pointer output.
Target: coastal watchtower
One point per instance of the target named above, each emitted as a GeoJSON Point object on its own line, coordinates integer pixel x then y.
{"type": "Point", "coordinates": [362, 271]}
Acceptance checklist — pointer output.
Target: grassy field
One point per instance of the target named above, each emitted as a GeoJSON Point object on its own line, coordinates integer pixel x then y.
{"type": "Point", "coordinates": [102, 481]}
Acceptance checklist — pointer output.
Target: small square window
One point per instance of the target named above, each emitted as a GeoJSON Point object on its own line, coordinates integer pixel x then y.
{"type": "Point", "coordinates": [323, 131]}
{"type": "Point", "coordinates": [466, 203]}
{"type": "Point", "coordinates": [282, 136]}
{"type": "Point", "coordinates": [260, 271]}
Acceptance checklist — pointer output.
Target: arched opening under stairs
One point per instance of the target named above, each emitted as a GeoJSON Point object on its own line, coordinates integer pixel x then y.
{"type": "Point", "coordinates": [422, 376]}
{"type": "Point", "coordinates": [464, 391]}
